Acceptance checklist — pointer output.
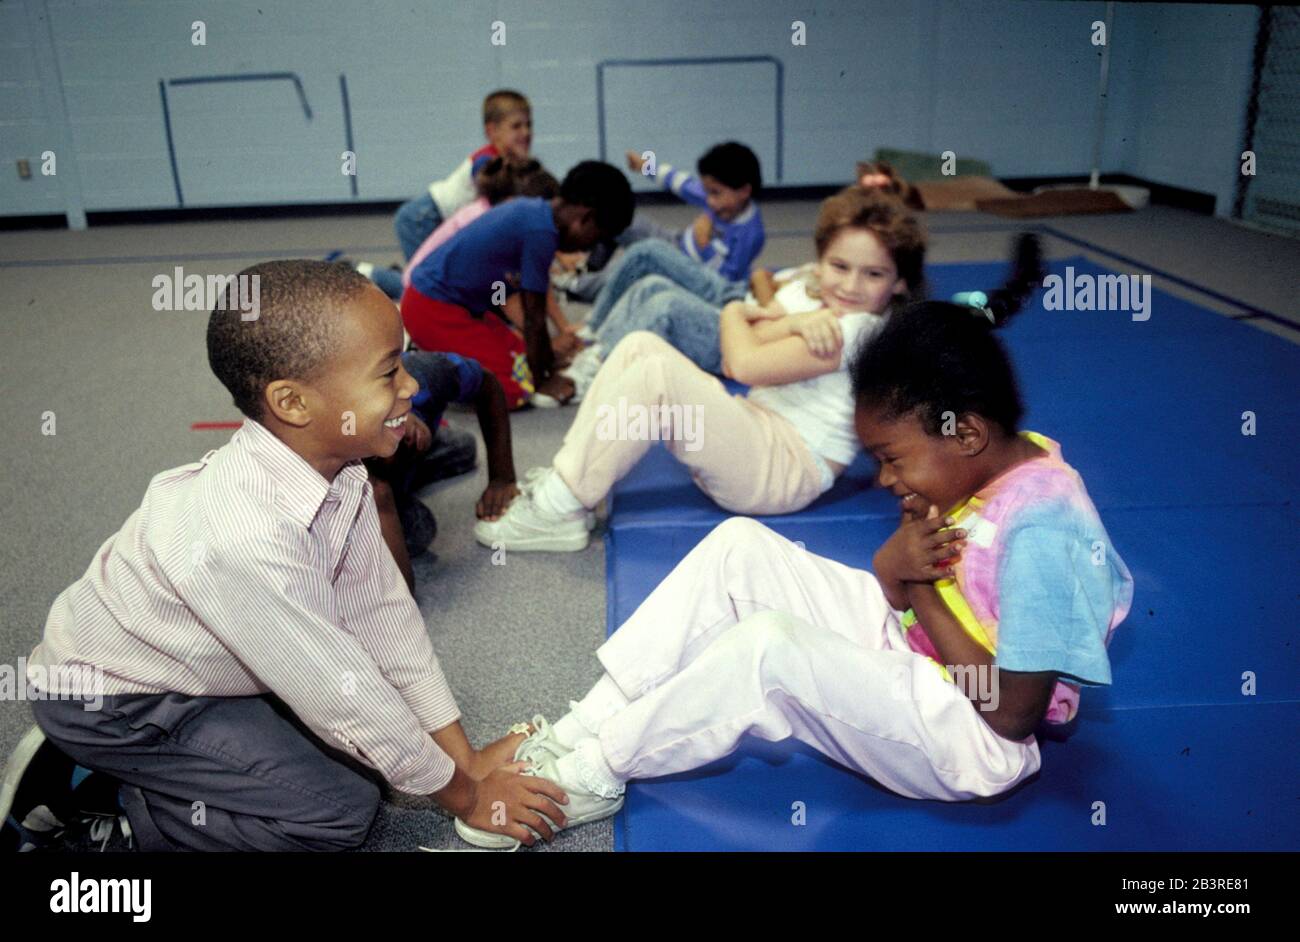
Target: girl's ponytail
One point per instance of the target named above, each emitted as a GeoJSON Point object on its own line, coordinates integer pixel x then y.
{"type": "Point", "coordinates": [935, 359]}
{"type": "Point", "coordinates": [1026, 275]}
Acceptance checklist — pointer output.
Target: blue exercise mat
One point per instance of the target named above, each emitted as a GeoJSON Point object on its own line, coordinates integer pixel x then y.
{"type": "Point", "coordinates": [1207, 778]}
{"type": "Point", "coordinates": [1151, 415]}
{"type": "Point", "coordinates": [1116, 403]}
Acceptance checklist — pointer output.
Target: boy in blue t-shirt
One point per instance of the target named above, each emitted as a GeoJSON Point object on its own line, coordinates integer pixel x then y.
{"type": "Point", "coordinates": [424, 457]}
{"type": "Point", "coordinates": [457, 293]}
{"type": "Point", "coordinates": [726, 238]}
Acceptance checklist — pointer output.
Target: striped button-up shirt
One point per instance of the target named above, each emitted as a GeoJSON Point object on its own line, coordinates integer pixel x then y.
{"type": "Point", "coordinates": [247, 573]}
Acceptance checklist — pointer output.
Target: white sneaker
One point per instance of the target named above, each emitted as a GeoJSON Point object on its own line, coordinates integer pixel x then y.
{"type": "Point", "coordinates": [531, 479]}
{"type": "Point", "coordinates": [584, 806]}
{"type": "Point", "coordinates": [543, 401]}
{"type": "Point", "coordinates": [582, 371]}
{"type": "Point", "coordinates": [541, 743]}
{"type": "Point", "coordinates": [525, 527]}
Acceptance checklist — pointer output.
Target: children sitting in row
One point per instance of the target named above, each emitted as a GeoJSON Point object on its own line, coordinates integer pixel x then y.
{"type": "Point", "coordinates": [502, 179]}
{"type": "Point", "coordinates": [508, 128]}
{"type": "Point", "coordinates": [772, 451]}
{"type": "Point", "coordinates": [456, 298]}
{"type": "Point", "coordinates": [407, 524]}
{"type": "Point", "coordinates": [992, 569]}
{"type": "Point", "coordinates": [725, 238]}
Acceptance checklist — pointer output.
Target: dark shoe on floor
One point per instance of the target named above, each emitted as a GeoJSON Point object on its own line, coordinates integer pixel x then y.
{"type": "Point", "coordinates": [419, 526]}
{"type": "Point", "coordinates": [44, 795]}
{"type": "Point", "coordinates": [453, 453]}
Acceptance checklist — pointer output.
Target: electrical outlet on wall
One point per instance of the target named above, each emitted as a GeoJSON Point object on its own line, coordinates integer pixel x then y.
{"type": "Point", "coordinates": [24, 168]}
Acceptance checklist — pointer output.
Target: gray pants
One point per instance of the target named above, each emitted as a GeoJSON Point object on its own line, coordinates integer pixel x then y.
{"type": "Point", "coordinates": [217, 773]}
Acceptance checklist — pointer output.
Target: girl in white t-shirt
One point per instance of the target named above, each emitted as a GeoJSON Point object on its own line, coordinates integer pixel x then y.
{"type": "Point", "coordinates": [772, 451]}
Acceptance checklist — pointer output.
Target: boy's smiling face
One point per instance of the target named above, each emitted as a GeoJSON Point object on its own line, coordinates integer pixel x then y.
{"type": "Point", "coordinates": [512, 136]}
{"type": "Point", "coordinates": [726, 202]}
{"type": "Point", "coordinates": [357, 406]}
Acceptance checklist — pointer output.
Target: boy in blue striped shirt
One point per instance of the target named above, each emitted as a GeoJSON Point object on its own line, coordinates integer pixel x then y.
{"type": "Point", "coordinates": [726, 238]}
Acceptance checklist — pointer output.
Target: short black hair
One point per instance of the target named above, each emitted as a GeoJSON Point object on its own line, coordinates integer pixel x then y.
{"type": "Point", "coordinates": [294, 334]}
{"type": "Point", "coordinates": [732, 164]}
{"type": "Point", "coordinates": [604, 189]}
{"type": "Point", "coordinates": [935, 357]}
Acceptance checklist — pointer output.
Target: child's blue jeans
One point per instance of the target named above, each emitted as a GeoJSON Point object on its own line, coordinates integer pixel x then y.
{"type": "Point", "coordinates": [665, 308]}
{"type": "Point", "coordinates": [653, 257]}
{"type": "Point", "coordinates": [416, 219]}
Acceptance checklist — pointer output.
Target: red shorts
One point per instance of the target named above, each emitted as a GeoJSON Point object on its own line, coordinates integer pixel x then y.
{"type": "Point", "coordinates": [450, 328]}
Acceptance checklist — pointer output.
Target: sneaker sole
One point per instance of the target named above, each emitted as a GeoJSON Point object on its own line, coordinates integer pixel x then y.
{"type": "Point", "coordinates": [490, 841]}
{"type": "Point", "coordinates": [541, 544]}
{"type": "Point", "coordinates": [16, 767]}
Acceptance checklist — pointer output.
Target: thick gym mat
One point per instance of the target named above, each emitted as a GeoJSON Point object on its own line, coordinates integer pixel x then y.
{"type": "Point", "coordinates": [1183, 426]}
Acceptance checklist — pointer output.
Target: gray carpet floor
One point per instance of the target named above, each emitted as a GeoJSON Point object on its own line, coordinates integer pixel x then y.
{"type": "Point", "coordinates": [79, 338]}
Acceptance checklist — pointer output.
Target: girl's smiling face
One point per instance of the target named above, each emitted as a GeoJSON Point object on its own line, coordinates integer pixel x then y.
{"type": "Point", "coordinates": [857, 273]}
{"type": "Point", "coordinates": [921, 469]}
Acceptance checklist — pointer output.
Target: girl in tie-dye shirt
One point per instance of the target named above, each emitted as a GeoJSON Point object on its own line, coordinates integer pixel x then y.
{"type": "Point", "coordinates": [1001, 560]}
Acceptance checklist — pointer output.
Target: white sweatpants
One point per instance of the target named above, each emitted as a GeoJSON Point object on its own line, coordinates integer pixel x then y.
{"type": "Point", "coordinates": [752, 634]}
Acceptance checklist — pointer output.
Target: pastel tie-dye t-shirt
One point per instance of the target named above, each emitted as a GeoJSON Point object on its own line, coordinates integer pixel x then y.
{"type": "Point", "coordinates": [1039, 584]}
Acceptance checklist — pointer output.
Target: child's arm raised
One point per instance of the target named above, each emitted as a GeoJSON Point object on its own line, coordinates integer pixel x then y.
{"type": "Point", "coordinates": [494, 420]}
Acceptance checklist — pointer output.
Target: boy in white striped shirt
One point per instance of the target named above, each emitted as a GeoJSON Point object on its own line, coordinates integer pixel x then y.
{"type": "Point", "coordinates": [259, 649]}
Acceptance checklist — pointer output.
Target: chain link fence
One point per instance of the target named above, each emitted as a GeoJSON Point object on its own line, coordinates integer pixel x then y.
{"type": "Point", "coordinates": [1271, 196]}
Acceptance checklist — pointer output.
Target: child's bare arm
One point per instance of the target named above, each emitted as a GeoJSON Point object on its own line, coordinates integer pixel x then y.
{"type": "Point", "coordinates": [556, 313]}
{"type": "Point", "coordinates": [1012, 703]}
{"type": "Point", "coordinates": [763, 286]}
{"type": "Point", "coordinates": [494, 421]}
{"type": "Point", "coordinates": [537, 340]}
{"type": "Point", "coordinates": [702, 230]}
{"type": "Point", "coordinates": [390, 526]}
{"type": "Point", "coordinates": [760, 355]}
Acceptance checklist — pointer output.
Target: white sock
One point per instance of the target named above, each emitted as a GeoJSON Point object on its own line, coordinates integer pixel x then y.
{"type": "Point", "coordinates": [553, 496]}
{"type": "Point", "coordinates": [585, 716]}
{"type": "Point", "coordinates": [586, 766]}
{"type": "Point", "coordinates": [366, 268]}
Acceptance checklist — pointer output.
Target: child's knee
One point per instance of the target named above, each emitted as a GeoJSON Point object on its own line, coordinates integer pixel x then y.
{"type": "Point", "coordinates": [644, 290]}
{"type": "Point", "coordinates": [742, 536]}
{"type": "Point", "coordinates": [640, 345]}
{"type": "Point", "coordinates": [347, 827]}
{"type": "Point", "coordinates": [770, 641]}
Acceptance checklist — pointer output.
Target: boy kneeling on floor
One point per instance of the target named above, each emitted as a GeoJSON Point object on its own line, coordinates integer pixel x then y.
{"type": "Point", "coordinates": [261, 655]}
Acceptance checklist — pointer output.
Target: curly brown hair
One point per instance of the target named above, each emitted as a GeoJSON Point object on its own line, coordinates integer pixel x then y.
{"type": "Point", "coordinates": [885, 217]}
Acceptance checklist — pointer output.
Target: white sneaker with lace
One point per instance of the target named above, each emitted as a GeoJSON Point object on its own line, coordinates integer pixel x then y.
{"type": "Point", "coordinates": [544, 751]}
{"type": "Point", "coordinates": [526, 528]}
{"type": "Point", "coordinates": [530, 480]}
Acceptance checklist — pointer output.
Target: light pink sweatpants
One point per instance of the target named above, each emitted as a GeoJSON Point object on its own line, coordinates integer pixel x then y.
{"type": "Point", "coordinates": [752, 634]}
{"type": "Point", "coordinates": [749, 460]}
